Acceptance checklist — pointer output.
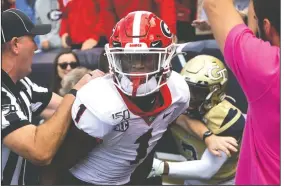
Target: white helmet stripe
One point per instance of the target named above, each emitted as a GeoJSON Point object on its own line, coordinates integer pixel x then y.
{"type": "Point", "coordinates": [136, 26]}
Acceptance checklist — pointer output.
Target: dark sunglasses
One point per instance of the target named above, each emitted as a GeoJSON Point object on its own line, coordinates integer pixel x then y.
{"type": "Point", "coordinates": [73, 65]}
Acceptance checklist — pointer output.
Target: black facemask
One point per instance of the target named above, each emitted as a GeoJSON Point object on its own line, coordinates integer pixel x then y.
{"type": "Point", "coordinates": [197, 95]}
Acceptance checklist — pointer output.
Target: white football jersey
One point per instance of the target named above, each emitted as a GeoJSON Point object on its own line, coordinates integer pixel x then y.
{"type": "Point", "coordinates": [127, 136]}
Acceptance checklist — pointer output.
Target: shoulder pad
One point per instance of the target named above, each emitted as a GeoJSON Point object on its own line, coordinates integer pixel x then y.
{"type": "Point", "coordinates": [101, 97]}
{"type": "Point", "coordinates": [222, 116]}
{"type": "Point", "coordinates": [178, 88]}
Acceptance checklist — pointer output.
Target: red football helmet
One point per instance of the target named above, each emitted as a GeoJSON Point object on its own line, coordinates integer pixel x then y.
{"type": "Point", "coordinates": [139, 53]}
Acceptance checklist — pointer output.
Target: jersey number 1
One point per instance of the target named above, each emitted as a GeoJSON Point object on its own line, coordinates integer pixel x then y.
{"type": "Point", "coordinates": [143, 142]}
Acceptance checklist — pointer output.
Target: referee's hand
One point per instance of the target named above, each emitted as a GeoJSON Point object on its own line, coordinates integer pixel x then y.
{"type": "Point", "coordinates": [87, 77]}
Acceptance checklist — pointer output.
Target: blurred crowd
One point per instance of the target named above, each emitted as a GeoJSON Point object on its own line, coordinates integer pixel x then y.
{"type": "Point", "coordinates": [89, 23]}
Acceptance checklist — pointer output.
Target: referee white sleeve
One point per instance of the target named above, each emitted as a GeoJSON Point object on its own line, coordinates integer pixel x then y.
{"type": "Point", "coordinates": [204, 168]}
{"type": "Point", "coordinates": [40, 97]}
{"type": "Point", "coordinates": [12, 116]}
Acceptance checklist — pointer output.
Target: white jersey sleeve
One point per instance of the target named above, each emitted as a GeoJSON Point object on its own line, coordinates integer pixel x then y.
{"type": "Point", "coordinates": [86, 121]}
{"type": "Point", "coordinates": [180, 94]}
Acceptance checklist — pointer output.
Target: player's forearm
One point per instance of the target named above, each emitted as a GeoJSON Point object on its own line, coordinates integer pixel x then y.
{"type": "Point", "coordinates": [50, 134]}
{"type": "Point", "coordinates": [205, 168]}
{"type": "Point", "coordinates": [197, 127]}
{"type": "Point", "coordinates": [190, 170]}
{"type": "Point", "coordinates": [52, 106]}
{"type": "Point", "coordinates": [190, 125]}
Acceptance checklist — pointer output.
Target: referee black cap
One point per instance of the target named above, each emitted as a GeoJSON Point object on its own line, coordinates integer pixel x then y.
{"type": "Point", "coordinates": [15, 23]}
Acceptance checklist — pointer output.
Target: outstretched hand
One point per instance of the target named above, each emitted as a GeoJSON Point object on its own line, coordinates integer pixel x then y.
{"type": "Point", "coordinates": [88, 77]}
{"type": "Point", "coordinates": [216, 144]}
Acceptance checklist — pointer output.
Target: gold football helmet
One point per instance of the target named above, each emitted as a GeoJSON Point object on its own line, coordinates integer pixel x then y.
{"type": "Point", "coordinates": [206, 77]}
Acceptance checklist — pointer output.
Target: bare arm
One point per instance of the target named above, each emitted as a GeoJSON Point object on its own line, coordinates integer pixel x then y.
{"type": "Point", "coordinates": [56, 100]}
{"type": "Point", "coordinates": [87, 132]}
{"type": "Point", "coordinates": [192, 126]}
{"type": "Point", "coordinates": [39, 144]}
{"type": "Point", "coordinates": [214, 143]}
{"type": "Point", "coordinates": [76, 145]}
{"type": "Point", "coordinates": [222, 17]}
{"type": "Point", "coordinates": [52, 106]}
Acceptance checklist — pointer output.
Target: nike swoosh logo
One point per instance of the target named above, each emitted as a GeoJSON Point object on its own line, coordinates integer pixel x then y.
{"type": "Point", "coordinates": [116, 43]}
{"type": "Point", "coordinates": [156, 43]}
{"type": "Point", "coordinates": [165, 115]}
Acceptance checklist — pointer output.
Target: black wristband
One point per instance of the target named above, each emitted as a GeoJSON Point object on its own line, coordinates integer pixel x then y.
{"type": "Point", "coordinates": [206, 134]}
{"type": "Point", "coordinates": [73, 92]}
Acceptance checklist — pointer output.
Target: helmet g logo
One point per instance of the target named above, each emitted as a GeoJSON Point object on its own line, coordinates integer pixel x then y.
{"type": "Point", "coordinates": [220, 74]}
{"type": "Point", "coordinates": [165, 29]}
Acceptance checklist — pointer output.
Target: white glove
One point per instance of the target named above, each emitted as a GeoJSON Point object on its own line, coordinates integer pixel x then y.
{"type": "Point", "coordinates": [157, 168]}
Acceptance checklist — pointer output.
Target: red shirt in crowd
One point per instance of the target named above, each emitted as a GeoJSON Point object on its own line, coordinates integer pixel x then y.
{"type": "Point", "coordinates": [165, 9]}
{"type": "Point", "coordinates": [81, 19]}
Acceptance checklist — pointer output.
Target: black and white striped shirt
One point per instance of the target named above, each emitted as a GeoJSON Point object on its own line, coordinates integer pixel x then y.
{"type": "Point", "coordinates": [19, 103]}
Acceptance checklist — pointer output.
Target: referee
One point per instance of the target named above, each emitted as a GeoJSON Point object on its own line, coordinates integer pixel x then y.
{"type": "Point", "coordinates": [21, 99]}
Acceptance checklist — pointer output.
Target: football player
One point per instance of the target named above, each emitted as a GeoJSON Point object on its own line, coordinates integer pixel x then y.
{"type": "Point", "coordinates": [120, 117]}
{"type": "Point", "coordinates": [206, 77]}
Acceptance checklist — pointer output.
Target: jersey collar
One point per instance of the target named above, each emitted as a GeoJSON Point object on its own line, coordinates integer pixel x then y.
{"type": "Point", "coordinates": [6, 80]}
{"type": "Point", "coordinates": [166, 95]}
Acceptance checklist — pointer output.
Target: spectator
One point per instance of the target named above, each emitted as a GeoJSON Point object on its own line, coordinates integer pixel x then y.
{"type": "Point", "coordinates": [7, 4]}
{"type": "Point", "coordinates": [117, 9]}
{"type": "Point", "coordinates": [81, 24]}
{"type": "Point", "coordinates": [185, 14]}
{"type": "Point", "coordinates": [63, 63]}
{"type": "Point", "coordinates": [256, 64]}
{"type": "Point", "coordinates": [70, 79]}
{"type": "Point", "coordinates": [47, 12]}
{"type": "Point", "coordinates": [27, 6]}
{"type": "Point", "coordinates": [203, 25]}
{"type": "Point", "coordinates": [22, 99]}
